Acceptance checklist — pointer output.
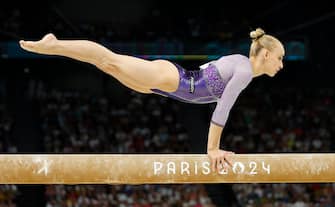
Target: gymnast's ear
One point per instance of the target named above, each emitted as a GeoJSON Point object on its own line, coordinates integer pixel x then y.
{"type": "Point", "coordinates": [266, 53]}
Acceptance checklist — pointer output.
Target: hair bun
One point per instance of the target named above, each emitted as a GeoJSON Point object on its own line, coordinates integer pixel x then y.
{"type": "Point", "coordinates": [256, 34]}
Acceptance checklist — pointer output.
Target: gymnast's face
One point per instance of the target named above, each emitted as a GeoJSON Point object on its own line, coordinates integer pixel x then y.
{"type": "Point", "coordinates": [273, 60]}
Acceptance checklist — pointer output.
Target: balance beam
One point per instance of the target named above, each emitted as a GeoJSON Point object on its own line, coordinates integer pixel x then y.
{"type": "Point", "coordinates": [163, 168]}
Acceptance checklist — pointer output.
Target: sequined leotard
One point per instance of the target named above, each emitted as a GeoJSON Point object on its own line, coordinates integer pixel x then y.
{"type": "Point", "coordinates": [220, 81]}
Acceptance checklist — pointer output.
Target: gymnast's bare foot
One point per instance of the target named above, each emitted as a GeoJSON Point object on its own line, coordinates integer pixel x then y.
{"type": "Point", "coordinates": [44, 46]}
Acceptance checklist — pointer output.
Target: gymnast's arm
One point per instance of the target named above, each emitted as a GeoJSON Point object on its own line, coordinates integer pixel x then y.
{"type": "Point", "coordinates": [234, 87]}
{"type": "Point", "coordinates": [216, 155]}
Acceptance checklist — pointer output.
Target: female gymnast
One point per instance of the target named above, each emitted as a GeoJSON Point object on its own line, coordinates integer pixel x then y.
{"type": "Point", "coordinates": [219, 81]}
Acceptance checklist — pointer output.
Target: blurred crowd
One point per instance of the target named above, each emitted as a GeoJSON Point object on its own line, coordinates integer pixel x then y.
{"type": "Point", "coordinates": [126, 196]}
{"type": "Point", "coordinates": [293, 119]}
{"type": "Point", "coordinates": [8, 193]}
{"type": "Point", "coordinates": [285, 120]}
{"type": "Point", "coordinates": [6, 130]}
{"type": "Point", "coordinates": [73, 122]}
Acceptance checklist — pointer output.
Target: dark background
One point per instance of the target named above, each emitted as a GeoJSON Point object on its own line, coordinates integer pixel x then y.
{"type": "Point", "coordinates": [129, 21]}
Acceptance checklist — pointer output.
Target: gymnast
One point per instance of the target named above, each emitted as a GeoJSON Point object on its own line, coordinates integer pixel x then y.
{"type": "Point", "coordinates": [218, 81]}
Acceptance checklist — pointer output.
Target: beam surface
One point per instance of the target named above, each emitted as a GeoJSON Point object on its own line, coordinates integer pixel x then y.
{"type": "Point", "coordinates": [163, 168]}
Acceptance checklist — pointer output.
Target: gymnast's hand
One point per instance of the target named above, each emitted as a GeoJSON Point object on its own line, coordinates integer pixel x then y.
{"type": "Point", "coordinates": [44, 46]}
{"type": "Point", "coordinates": [220, 159]}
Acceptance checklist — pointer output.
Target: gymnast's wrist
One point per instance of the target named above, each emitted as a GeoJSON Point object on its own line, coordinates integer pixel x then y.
{"type": "Point", "coordinates": [211, 148]}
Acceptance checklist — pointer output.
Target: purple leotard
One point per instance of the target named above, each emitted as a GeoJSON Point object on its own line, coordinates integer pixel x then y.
{"type": "Point", "coordinates": [221, 81]}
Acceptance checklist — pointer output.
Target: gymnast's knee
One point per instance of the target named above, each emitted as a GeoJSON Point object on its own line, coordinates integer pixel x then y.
{"type": "Point", "coordinates": [109, 64]}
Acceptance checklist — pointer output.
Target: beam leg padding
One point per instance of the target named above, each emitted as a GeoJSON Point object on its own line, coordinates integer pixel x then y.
{"type": "Point", "coordinates": [163, 168]}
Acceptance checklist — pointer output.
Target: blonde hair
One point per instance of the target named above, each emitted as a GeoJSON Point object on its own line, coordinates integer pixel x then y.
{"type": "Point", "coordinates": [261, 40]}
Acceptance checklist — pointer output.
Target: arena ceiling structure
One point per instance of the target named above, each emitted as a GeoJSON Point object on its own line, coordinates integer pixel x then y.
{"type": "Point", "coordinates": [232, 19]}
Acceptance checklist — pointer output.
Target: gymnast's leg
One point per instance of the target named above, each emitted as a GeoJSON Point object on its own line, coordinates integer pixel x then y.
{"type": "Point", "coordinates": [137, 74]}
